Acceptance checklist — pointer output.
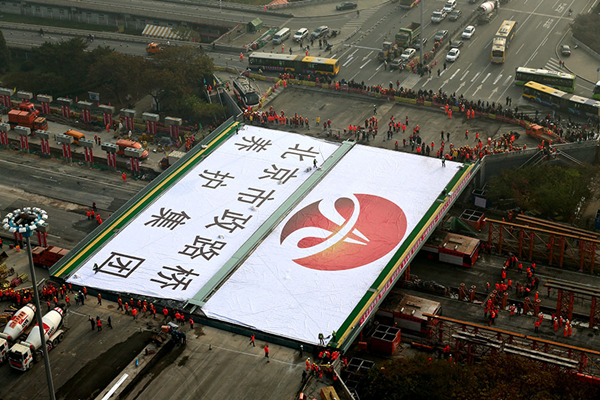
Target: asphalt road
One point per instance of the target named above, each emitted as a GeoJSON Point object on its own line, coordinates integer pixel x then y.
{"type": "Point", "coordinates": [542, 27]}
{"type": "Point", "coordinates": [64, 191]}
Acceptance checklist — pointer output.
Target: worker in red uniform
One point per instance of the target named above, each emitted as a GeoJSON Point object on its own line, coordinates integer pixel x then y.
{"type": "Point", "coordinates": [120, 302]}
{"type": "Point", "coordinates": [191, 323]}
{"type": "Point", "coordinates": [99, 299]}
{"type": "Point", "coordinates": [165, 313]}
{"type": "Point", "coordinates": [267, 352]}
{"type": "Point", "coordinates": [134, 312]}
{"type": "Point", "coordinates": [99, 324]}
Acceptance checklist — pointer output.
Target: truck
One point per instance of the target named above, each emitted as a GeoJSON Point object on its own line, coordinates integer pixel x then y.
{"type": "Point", "coordinates": [45, 257]}
{"type": "Point", "coordinates": [23, 355]}
{"type": "Point", "coordinates": [487, 11]}
{"type": "Point", "coordinates": [388, 51]}
{"type": "Point", "coordinates": [406, 36]}
{"type": "Point", "coordinates": [171, 159]}
{"type": "Point", "coordinates": [26, 105]}
{"type": "Point", "coordinates": [15, 327]}
{"type": "Point", "coordinates": [154, 48]}
{"type": "Point", "coordinates": [541, 133]}
{"type": "Point", "coordinates": [27, 119]}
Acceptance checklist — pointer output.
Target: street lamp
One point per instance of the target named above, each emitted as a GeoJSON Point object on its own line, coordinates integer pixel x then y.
{"type": "Point", "coordinates": [25, 221]}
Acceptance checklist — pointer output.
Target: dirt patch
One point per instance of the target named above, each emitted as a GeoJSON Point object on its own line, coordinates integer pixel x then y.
{"type": "Point", "coordinates": [183, 361]}
{"type": "Point", "coordinates": [198, 332]}
{"type": "Point", "coordinates": [100, 372]}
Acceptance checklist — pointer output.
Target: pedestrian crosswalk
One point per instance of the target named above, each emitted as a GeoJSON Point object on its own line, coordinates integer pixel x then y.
{"type": "Point", "coordinates": [552, 65]}
{"type": "Point", "coordinates": [357, 22]}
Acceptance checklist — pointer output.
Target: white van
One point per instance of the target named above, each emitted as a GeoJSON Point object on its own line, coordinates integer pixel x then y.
{"type": "Point", "coordinates": [450, 6]}
{"type": "Point", "coordinates": [281, 36]}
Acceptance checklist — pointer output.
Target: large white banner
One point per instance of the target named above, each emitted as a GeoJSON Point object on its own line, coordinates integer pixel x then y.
{"type": "Point", "coordinates": [313, 269]}
{"type": "Point", "coordinates": [172, 248]}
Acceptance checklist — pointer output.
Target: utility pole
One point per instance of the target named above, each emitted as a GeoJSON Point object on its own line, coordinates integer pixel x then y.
{"type": "Point", "coordinates": [421, 45]}
{"type": "Point", "coordinates": [25, 221]}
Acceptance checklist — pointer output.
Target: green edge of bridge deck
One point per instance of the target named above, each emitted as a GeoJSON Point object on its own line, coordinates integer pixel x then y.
{"type": "Point", "coordinates": [269, 225]}
{"type": "Point", "coordinates": [349, 330]}
{"type": "Point", "coordinates": [88, 246]}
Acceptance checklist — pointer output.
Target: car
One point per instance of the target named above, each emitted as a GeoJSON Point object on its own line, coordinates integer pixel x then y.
{"type": "Point", "coordinates": [438, 16]}
{"type": "Point", "coordinates": [396, 64]}
{"type": "Point", "coordinates": [440, 35]}
{"type": "Point", "coordinates": [321, 31]}
{"type": "Point", "coordinates": [468, 32]}
{"type": "Point", "coordinates": [449, 6]}
{"type": "Point", "coordinates": [408, 54]}
{"type": "Point", "coordinates": [456, 44]}
{"type": "Point", "coordinates": [565, 50]}
{"type": "Point", "coordinates": [418, 43]}
{"type": "Point", "coordinates": [453, 55]}
{"type": "Point", "coordinates": [454, 15]}
{"type": "Point", "coordinates": [347, 5]}
{"type": "Point", "coordinates": [300, 35]}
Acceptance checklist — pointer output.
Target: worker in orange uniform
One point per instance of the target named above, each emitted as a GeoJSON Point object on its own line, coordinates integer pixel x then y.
{"type": "Point", "coordinates": [308, 364]}
{"type": "Point", "coordinates": [134, 312]}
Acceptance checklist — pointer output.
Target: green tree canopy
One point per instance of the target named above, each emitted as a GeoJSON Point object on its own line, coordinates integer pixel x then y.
{"type": "Point", "coordinates": [496, 377]}
{"type": "Point", "coordinates": [544, 189]}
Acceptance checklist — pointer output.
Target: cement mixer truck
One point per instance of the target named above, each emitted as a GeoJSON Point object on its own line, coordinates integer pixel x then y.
{"type": "Point", "coordinates": [487, 11]}
{"type": "Point", "coordinates": [15, 327]}
{"type": "Point", "coordinates": [22, 355]}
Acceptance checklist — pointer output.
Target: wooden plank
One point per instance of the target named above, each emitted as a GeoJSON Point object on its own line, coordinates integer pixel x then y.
{"type": "Point", "coordinates": [556, 225]}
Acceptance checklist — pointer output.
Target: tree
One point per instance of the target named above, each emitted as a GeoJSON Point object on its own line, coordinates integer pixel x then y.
{"type": "Point", "coordinates": [545, 189]}
{"type": "Point", "coordinates": [120, 74]}
{"type": "Point", "coordinates": [4, 55]}
{"type": "Point", "coordinates": [178, 72]}
{"type": "Point", "coordinates": [500, 376]}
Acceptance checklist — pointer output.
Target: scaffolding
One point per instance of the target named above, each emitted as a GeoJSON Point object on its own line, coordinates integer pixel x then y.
{"type": "Point", "coordinates": [567, 292]}
{"type": "Point", "coordinates": [469, 342]}
{"type": "Point", "coordinates": [544, 241]}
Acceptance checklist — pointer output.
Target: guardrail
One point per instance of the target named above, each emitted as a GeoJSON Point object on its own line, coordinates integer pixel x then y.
{"type": "Point", "coordinates": [360, 92]}
{"type": "Point", "coordinates": [266, 10]}
{"type": "Point", "coordinates": [120, 37]}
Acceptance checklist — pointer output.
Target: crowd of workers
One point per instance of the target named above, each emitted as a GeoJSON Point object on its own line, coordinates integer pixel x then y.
{"type": "Point", "coordinates": [527, 289]}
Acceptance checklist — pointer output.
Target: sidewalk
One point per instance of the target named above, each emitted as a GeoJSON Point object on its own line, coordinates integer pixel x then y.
{"type": "Point", "coordinates": [581, 62]}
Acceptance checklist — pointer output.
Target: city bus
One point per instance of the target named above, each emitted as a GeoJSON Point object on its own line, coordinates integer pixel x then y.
{"type": "Point", "coordinates": [597, 91]}
{"type": "Point", "coordinates": [408, 3]}
{"type": "Point", "coordinates": [556, 79]}
{"type": "Point", "coordinates": [294, 63]}
{"type": "Point", "coordinates": [502, 40]}
{"type": "Point", "coordinates": [245, 93]}
{"type": "Point", "coordinates": [559, 100]}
